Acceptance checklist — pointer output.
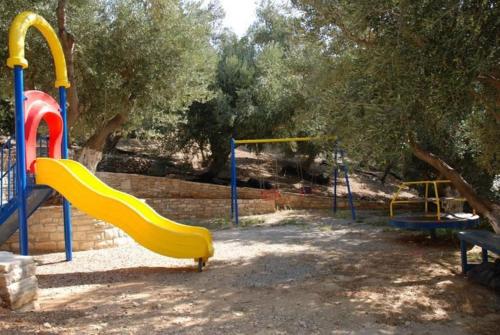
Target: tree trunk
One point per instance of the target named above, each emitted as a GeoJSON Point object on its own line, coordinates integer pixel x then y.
{"type": "Point", "coordinates": [489, 210]}
{"type": "Point", "coordinates": [306, 165]}
{"type": "Point", "coordinates": [68, 46]}
{"type": "Point", "coordinates": [387, 171]}
{"type": "Point", "coordinates": [91, 153]}
{"type": "Point", "coordinates": [217, 163]}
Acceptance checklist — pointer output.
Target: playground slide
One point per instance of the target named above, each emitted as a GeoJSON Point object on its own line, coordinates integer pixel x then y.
{"type": "Point", "coordinates": [141, 222]}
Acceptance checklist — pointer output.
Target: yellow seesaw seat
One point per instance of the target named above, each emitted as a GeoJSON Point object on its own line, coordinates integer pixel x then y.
{"type": "Point", "coordinates": [141, 222]}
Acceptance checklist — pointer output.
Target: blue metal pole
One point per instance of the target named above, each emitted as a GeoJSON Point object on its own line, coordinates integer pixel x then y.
{"type": "Point", "coordinates": [346, 172]}
{"type": "Point", "coordinates": [335, 177]}
{"type": "Point", "coordinates": [231, 142]}
{"type": "Point", "coordinates": [234, 182]}
{"type": "Point", "coordinates": [9, 164]}
{"type": "Point", "coordinates": [484, 255]}
{"type": "Point", "coordinates": [463, 256]}
{"type": "Point", "coordinates": [21, 160]}
{"type": "Point", "coordinates": [1, 178]}
{"type": "Point", "coordinates": [64, 152]}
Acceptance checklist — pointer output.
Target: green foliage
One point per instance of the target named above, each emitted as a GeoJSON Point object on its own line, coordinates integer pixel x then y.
{"type": "Point", "coordinates": [153, 58]}
{"type": "Point", "coordinates": [412, 68]}
{"type": "Point", "coordinates": [149, 59]}
{"type": "Point", "coordinates": [259, 88]}
{"type": "Point", "coordinates": [372, 72]}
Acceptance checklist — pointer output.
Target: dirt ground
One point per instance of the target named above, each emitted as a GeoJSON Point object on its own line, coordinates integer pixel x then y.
{"type": "Point", "coordinates": [295, 273]}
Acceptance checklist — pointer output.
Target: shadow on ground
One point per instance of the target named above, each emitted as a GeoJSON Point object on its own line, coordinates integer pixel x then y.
{"type": "Point", "coordinates": [331, 277]}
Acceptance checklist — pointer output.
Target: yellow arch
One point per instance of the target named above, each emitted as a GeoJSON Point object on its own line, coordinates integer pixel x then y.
{"type": "Point", "coordinates": [17, 36]}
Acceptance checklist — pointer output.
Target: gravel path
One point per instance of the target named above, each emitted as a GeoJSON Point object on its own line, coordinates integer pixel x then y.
{"type": "Point", "coordinates": [313, 275]}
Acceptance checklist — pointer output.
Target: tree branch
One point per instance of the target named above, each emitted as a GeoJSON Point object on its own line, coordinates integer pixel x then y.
{"type": "Point", "coordinates": [482, 206]}
{"type": "Point", "coordinates": [68, 45]}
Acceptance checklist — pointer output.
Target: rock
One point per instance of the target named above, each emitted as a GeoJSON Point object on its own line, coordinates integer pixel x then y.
{"type": "Point", "coordinates": [29, 307]}
{"type": "Point", "coordinates": [18, 284]}
{"type": "Point", "coordinates": [487, 274]}
{"type": "Point", "coordinates": [47, 325]}
{"type": "Point", "coordinates": [444, 284]}
{"type": "Point", "coordinates": [17, 273]}
{"type": "Point", "coordinates": [9, 261]}
{"type": "Point", "coordinates": [96, 327]}
{"type": "Point", "coordinates": [135, 304]}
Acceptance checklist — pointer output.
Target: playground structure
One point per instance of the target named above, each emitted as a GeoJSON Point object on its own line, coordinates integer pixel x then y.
{"type": "Point", "coordinates": [31, 180]}
{"type": "Point", "coordinates": [430, 221]}
{"type": "Point", "coordinates": [338, 154]}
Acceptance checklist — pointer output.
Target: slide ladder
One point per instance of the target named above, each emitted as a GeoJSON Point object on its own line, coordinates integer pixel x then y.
{"type": "Point", "coordinates": [9, 221]}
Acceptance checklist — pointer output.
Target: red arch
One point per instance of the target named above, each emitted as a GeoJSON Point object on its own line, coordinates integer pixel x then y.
{"type": "Point", "coordinates": [40, 106]}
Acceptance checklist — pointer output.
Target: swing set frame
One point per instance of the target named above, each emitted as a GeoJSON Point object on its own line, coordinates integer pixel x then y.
{"type": "Point", "coordinates": [337, 152]}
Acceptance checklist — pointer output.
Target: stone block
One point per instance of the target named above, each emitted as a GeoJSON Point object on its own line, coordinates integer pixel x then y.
{"type": "Point", "coordinates": [16, 274]}
{"type": "Point", "coordinates": [56, 237]}
{"type": "Point", "coordinates": [20, 293]}
{"type": "Point", "coordinates": [9, 261]}
{"type": "Point", "coordinates": [47, 246]}
{"type": "Point", "coordinates": [110, 233]}
{"type": "Point", "coordinates": [85, 245]}
{"type": "Point", "coordinates": [18, 283]}
{"type": "Point", "coordinates": [80, 236]}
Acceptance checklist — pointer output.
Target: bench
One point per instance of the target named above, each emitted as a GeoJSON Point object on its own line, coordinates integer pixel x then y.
{"type": "Point", "coordinates": [486, 240]}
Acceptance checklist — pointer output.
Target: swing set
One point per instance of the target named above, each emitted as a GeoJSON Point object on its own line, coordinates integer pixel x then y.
{"type": "Point", "coordinates": [274, 193]}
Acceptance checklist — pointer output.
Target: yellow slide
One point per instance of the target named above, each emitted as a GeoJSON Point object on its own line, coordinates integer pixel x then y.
{"type": "Point", "coordinates": [141, 222]}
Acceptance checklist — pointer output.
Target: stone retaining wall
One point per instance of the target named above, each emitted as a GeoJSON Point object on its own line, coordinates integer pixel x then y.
{"type": "Point", "coordinates": [172, 198]}
{"type": "Point", "coordinates": [46, 225]}
{"type": "Point", "coordinates": [298, 201]}
{"type": "Point", "coordinates": [179, 209]}
{"type": "Point", "coordinates": [161, 187]}
{"type": "Point", "coordinates": [168, 189]}
{"type": "Point", "coordinates": [46, 232]}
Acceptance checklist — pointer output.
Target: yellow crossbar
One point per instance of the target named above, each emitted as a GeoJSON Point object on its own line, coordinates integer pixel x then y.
{"type": "Point", "coordinates": [288, 139]}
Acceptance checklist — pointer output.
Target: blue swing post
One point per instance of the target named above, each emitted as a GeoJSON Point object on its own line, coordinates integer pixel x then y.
{"type": "Point", "coordinates": [338, 153]}
{"type": "Point", "coordinates": [349, 194]}
{"type": "Point", "coordinates": [68, 244]}
{"type": "Point", "coordinates": [234, 189]}
{"type": "Point", "coordinates": [335, 176]}
{"type": "Point", "coordinates": [21, 175]}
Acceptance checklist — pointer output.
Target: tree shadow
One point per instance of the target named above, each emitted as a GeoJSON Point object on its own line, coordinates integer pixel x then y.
{"type": "Point", "coordinates": [351, 278]}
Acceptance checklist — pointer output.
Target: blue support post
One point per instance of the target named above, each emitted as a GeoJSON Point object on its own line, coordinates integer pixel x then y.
{"type": "Point", "coordinates": [21, 179]}
{"type": "Point", "coordinates": [9, 164]}
{"type": "Point", "coordinates": [335, 177]}
{"type": "Point", "coordinates": [64, 152]}
{"type": "Point", "coordinates": [463, 256]}
{"type": "Point", "coordinates": [349, 194]}
{"type": "Point", "coordinates": [232, 177]}
{"type": "Point", "coordinates": [484, 255]}
{"type": "Point", "coordinates": [234, 189]}
{"type": "Point", "coordinates": [1, 178]}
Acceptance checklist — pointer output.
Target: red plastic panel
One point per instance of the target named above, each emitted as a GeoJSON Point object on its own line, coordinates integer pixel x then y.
{"type": "Point", "coordinates": [40, 106]}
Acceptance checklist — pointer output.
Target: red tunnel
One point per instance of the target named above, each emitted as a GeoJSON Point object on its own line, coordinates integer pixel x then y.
{"type": "Point", "coordinates": [40, 106]}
